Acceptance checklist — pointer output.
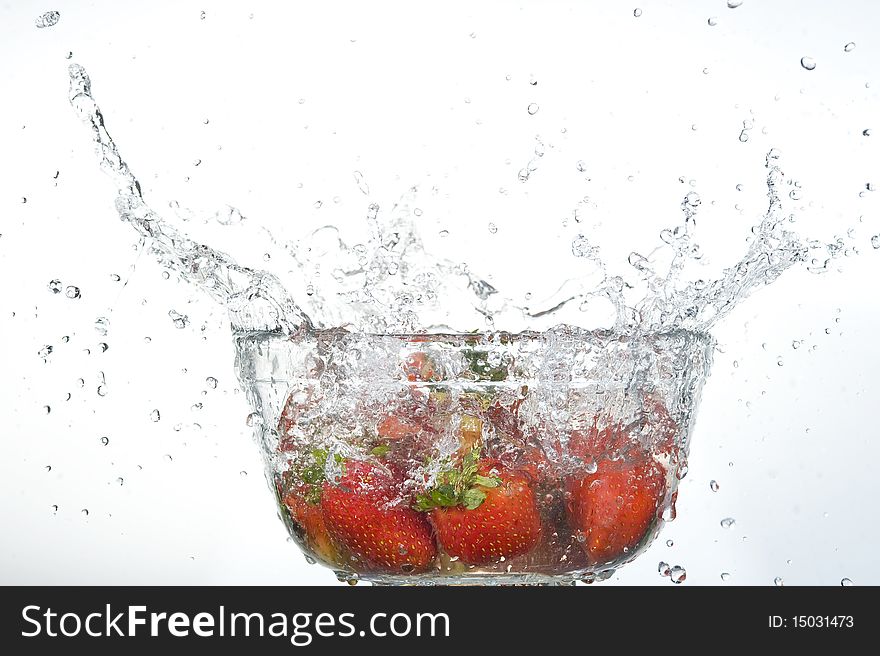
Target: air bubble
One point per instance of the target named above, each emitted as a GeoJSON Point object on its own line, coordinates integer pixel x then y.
{"type": "Point", "coordinates": [849, 47]}
{"type": "Point", "coordinates": [637, 12]}
{"type": "Point", "coordinates": [808, 63]}
{"type": "Point", "coordinates": [155, 416]}
{"type": "Point", "coordinates": [533, 109]}
{"type": "Point", "coordinates": [712, 21]}
{"type": "Point", "coordinates": [778, 582]}
{"type": "Point", "coordinates": [728, 522]}
{"type": "Point", "coordinates": [72, 292]}
{"type": "Point", "coordinates": [493, 228]}
{"type": "Point", "coordinates": [846, 582]}
{"type": "Point", "coordinates": [211, 382]}
{"type": "Point", "coordinates": [55, 286]}
{"type": "Point", "coordinates": [713, 485]}
{"type": "Point", "coordinates": [733, 4]}
{"type": "Point", "coordinates": [725, 576]}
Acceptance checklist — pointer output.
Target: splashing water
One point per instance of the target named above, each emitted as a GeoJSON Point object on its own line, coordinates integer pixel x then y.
{"type": "Point", "coordinates": [391, 284]}
{"type": "Point", "coordinates": [322, 370]}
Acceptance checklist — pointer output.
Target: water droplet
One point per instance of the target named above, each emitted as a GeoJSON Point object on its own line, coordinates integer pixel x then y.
{"type": "Point", "coordinates": [154, 415]}
{"type": "Point", "coordinates": [48, 468]}
{"type": "Point", "coordinates": [808, 63]}
{"type": "Point", "coordinates": [778, 582]}
{"type": "Point", "coordinates": [202, 15]}
{"type": "Point", "coordinates": [663, 568]}
{"type": "Point", "coordinates": [580, 247]}
{"type": "Point", "coordinates": [692, 198]}
{"type": "Point", "coordinates": [523, 175]}
{"type": "Point", "coordinates": [779, 362]}
{"type": "Point", "coordinates": [533, 81]}
{"type": "Point", "coordinates": [85, 511]}
{"type": "Point", "coordinates": [102, 390]}
{"type": "Point", "coordinates": [55, 286]}
{"type": "Point", "coordinates": [310, 560]}
{"type": "Point", "coordinates": [866, 132]}
{"type": "Point", "coordinates": [48, 19]}
{"type": "Point", "coordinates": [242, 473]}
{"type": "Point", "coordinates": [46, 409]}
{"type": "Point", "coordinates": [744, 136]}
{"type": "Point", "coordinates": [45, 352]}
{"type": "Point", "coordinates": [712, 21]}
{"type": "Point", "coordinates": [493, 228]}
{"type": "Point", "coordinates": [728, 522]}
{"type": "Point", "coordinates": [875, 241]}
{"type": "Point", "coordinates": [581, 166]}
{"type": "Point", "coordinates": [733, 4]}
{"type": "Point", "coordinates": [168, 457]}
{"type": "Point", "coordinates": [120, 480]}
{"type": "Point", "coordinates": [180, 320]}
{"type": "Point", "coordinates": [849, 47]}
{"type": "Point", "coordinates": [713, 485]}
{"type": "Point", "coordinates": [54, 508]}
{"type": "Point", "coordinates": [211, 382]}
{"type": "Point", "coordinates": [72, 292]}
{"type": "Point", "coordinates": [102, 324]}
{"type": "Point", "coordinates": [533, 109]}
{"type": "Point", "coordinates": [669, 543]}
{"type": "Point", "coordinates": [678, 574]}
{"type": "Point", "coordinates": [105, 441]}
{"type": "Point", "coordinates": [846, 582]}
{"type": "Point", "coordinates": [254, 419]}
{"type": "Point", "coordinates": [637, 12]}
{"type": "Point", "coordinates": [725, 576]}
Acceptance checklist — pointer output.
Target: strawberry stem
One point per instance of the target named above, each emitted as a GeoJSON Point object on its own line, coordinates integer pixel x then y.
{"type": "Point", "coordinates": [458, 486]}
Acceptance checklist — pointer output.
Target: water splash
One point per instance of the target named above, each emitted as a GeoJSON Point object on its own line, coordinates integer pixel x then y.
{"type": "Point", "coordinates": [255, 300]}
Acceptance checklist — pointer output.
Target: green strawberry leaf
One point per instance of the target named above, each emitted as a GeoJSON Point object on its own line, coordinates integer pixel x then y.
{"type": "Point", "coordinates": [487, 481]}
{"type": "Point", "coordinates": [472, 498]}
{"type": "Point", "coordinates": [478, 363]}
{"type": "Point", "coordinates": [381, 450]}
{"type": "Point", "coordinates": [458, 486]}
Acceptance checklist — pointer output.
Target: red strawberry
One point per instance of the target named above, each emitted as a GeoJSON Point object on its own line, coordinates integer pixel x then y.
{"type": "Point", "coordinates": [300, 490]}
{"type": "Point", "coordinates": [310, 516]}
{"type": "Point", "coordinates": [614, 508]}
{"type": "Point", "coordinates": [394, 427]}
{"type": "Point", "coordinates": [483, 512]}
{"type": "Point", "coordinates": [362, 512]}
{"type": "Point", "coordinates": [420, 367]}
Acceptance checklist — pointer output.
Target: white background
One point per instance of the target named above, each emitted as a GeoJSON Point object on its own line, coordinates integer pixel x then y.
{"type": "Point", "coordinates": [297, 96]}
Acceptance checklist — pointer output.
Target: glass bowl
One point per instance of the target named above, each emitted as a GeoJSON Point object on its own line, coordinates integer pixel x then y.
{"type": "Point", "coordinates": [484, 458]}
